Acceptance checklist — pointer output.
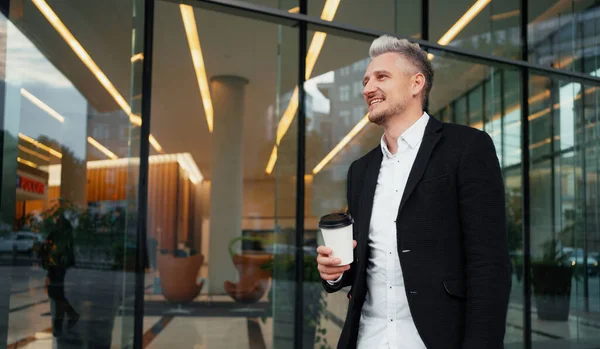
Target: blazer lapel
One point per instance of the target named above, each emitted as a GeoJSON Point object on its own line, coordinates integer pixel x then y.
{"type": "Point", "coordinates": [430, 139]}
{"type": "Point", "coordinates": [366, 199]}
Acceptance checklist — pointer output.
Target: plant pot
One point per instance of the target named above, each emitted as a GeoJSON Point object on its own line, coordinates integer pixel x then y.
{"type": "Point", "coordinates": [254, 282]}
{"type": "Point", "coordinates": [552, 290]}
{"type": "Point", "coordinates": [178, 277]}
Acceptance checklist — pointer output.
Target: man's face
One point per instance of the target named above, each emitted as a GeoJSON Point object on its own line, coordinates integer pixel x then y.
{"type": "Point", "coordinates": [388, 86]}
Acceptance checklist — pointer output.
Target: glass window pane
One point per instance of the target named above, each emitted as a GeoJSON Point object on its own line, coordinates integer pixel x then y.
{"type": "Point", "coordinates": [564, 203]}
{"type": "Point", "coordinates": [222, 194]}
{"type": "Point", "coordinates": [460, 110]}
{"type": "Point", "coordinates": [402, 18]}
{"type": "Point", "coordinates": [488, 27]}
{"type": "Point", "coordinates": [329, 121]}
{"type": "Point", "coordinates": [476, 107]}
{"type": "Point", "coordinates": [69, 180]}
{"type": "Point", "coordinates": [562, 35]}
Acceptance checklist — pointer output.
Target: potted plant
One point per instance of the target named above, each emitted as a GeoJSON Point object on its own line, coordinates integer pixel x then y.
{"type": "Point", "coordinates": [551, 280]}
{"type": "Point", "coordinates": [314, 301]}
{"type": "Point", "coordinates": [254, 281]}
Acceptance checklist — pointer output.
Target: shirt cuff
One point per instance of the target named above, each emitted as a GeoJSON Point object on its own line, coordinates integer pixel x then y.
{"type": "Point", "coordinates": [334, 282]}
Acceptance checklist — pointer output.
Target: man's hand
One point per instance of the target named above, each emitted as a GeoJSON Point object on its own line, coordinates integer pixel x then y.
{"type": "Point", "coordinates": [327, 265]}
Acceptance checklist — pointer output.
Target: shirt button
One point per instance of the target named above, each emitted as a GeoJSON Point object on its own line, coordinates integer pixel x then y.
{"type": "Point", "coordinates": [391, 320]}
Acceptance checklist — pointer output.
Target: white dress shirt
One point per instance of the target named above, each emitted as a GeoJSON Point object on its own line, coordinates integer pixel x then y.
{"type": "Point", "coordinates": [386, 321]}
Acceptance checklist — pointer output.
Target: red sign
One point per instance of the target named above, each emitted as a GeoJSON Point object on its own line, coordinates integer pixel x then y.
{"type": "Point", "coordinates": [30, 185]}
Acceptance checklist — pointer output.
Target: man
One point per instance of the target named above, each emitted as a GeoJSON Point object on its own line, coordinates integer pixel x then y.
{"type": "Point", "coordinates": [431, 263]}
{"type": "Point", "coordinates": [58, 255]}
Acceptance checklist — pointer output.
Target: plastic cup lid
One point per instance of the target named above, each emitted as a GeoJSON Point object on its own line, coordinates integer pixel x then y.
{"type": "Point", "coordinates": [335, 220]}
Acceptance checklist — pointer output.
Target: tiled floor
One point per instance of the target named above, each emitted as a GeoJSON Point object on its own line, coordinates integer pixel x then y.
{"type": "Point", "coordinates": [217, 333]}
{"type": "Point", "coordinates": [29, 318]}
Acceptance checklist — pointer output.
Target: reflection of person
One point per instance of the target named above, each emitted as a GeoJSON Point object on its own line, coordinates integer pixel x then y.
{"type": "Point", "coordinates": [57, 256]}
{"type": "Point", "coordinates": [431, 266]}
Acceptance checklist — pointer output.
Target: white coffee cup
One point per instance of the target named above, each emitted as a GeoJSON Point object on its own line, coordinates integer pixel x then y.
{"type": "Point", "coordinates": [336, 229]}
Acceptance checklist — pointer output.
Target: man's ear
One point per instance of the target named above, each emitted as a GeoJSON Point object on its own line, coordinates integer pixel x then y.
{"type": "Point", "coordinates": [417, 84]}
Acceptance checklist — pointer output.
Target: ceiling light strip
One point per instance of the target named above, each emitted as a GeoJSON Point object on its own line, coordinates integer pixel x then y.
{"type": "Point", "coordinates": [461, 24]}
{"type": "Point", "coordinates": [51, 16]}
{"type": "Point", "coordinates": [25, 162]}
{"type": "Point", "coordinates": [505, 15]}
{"type": "Point", "coordinates": [43, 106]}
{"type": "Point", "coordinates": [357, 128]}
{"type": "Point", "coordinates": [463, 21]}
{"type": "Point", "coordinates": [40, 145]}
{"type": "Point", "coordinates": [185, 160]}
{"type": "Point", "coordinates": [191, 31]}
{"type": "Point", "coordinates": [102, 148]}
{"type": "Point", "coordinates": [34, 153]}
{"type": "Point", "coordinates": [137, 57]}
{"type": "Point", "coordinates": [314, 50]}
{"type": "Point", "coordinates": [155, 144]}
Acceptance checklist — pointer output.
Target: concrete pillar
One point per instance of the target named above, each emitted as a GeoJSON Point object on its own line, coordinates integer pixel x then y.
{"type": "Point", "coordinates": [227, 94]}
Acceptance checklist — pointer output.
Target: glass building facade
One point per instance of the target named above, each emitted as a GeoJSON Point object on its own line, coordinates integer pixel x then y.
{"type": "Point", "coordinates": [164, 163]}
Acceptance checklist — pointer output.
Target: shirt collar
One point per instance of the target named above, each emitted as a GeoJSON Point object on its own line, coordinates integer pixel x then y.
{"type": "Point", "coordinates": [412, 136]}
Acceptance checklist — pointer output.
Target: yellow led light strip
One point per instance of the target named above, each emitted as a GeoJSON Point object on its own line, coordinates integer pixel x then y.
{"type": "Point", "coordinates": [505, 15]}
{"type": "Point", "coordinates": [155, 144]}
{"type": "Point", "coordinates": [357, 128]}
{"type": "Point", "coordinates": [537, 98]}
{"type": "Point", "coordinates": [191, 31]}
{"type": "Point", "coordinates": [53, 113]}
{"type": "Point", "coordinates": [28, 163]}
{"type": "Point", "coordinates": [36, 154]}
{"type": "Point", "coordinates": [137, 57]}
{"type": "Point", "coordinates": [102, 148]}
{"type": "Point", "coordinates": [463, 21]}
{"type": "Point", "coordinates": [47, 11]}
{"type": "Point", "coordinates": [185, 160]}
{"type": "Point", "coordinates": [314, 50]}
{"type": "Point", "coordinates": [461, 24]}
{"type": "Point", "coordinates": [294, 9]}
{"type": "Point", "coordinates": [40, 145]}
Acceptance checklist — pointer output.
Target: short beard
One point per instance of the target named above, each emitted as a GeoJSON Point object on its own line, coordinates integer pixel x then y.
{"type": "Point", "coordinates": [382, 117]}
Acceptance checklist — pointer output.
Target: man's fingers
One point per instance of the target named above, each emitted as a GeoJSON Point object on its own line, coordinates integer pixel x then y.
{"type": "Point", "coordinates": [324, 250]}
{"type": "Point", "coordinates": [332, 270]}
{"type": "Point", "coordinates": [354, 243]}
{"type": "Point", "coordinates": [327, 261]}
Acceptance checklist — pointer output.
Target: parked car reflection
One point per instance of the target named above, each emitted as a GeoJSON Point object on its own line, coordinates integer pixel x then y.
{"type": "Point", "coordinates": [576, 260]}
{"type": "Point", "coordinates": [20, 242]}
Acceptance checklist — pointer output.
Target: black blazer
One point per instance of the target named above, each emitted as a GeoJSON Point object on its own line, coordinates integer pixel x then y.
{"type": "Point", "coordinates": [452, 221]}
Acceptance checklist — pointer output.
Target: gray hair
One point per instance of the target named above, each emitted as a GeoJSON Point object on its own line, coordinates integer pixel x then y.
{"type": "Point", "coordinates": [411, 51]}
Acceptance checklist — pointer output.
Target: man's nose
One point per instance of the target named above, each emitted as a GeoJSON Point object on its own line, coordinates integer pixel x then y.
{"type": "Point", "coordinates": [369, 90]}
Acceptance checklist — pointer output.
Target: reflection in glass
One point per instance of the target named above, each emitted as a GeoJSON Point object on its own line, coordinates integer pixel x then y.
{"type": "Point", "coordinates": [484, 26]}
{"type": "Point", "coordinates": [562, 34]}
{"type": "Point", "coordinates": [221, 199]}
{"type": "Point", "coordinates": [402, 18]}
{"type": "Point", "coordinates": [68, 222]}
{"type": "Point", "coordinates": [564, 236]}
